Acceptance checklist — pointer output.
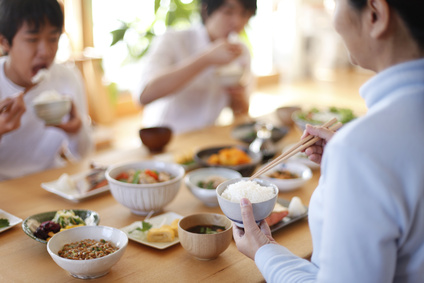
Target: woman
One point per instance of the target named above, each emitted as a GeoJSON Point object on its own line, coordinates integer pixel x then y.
{"type": "Point", "coordinates": [180, 87]}
{"type": "Point", "coordinates": [367, 212]}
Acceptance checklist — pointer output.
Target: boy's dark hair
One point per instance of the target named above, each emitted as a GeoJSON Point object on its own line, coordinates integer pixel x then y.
{"type": "Point", "coordinates": [213, 5]}
{"type": "Point", "coordinates": [14, 13]}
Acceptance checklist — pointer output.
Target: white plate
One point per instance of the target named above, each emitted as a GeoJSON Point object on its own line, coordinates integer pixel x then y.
{"type": "Point", "coordinates": [285, 185]}
{"type": "Point", "coordinates": [287, 220]}
{"type": "Point", "coordinates": [13, 220]}
{"type": "Point", "coordinates": [156, 222]}
{"type": "Point", "coordinates": [73, 195]}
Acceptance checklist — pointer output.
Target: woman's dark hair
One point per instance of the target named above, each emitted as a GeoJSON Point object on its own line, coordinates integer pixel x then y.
{"type": "Point", "coordinates": [14, 13]}
{"type": "Point", "coordinates": [411, 12]}
{"type": "Point", "coordinates": [213, 5]}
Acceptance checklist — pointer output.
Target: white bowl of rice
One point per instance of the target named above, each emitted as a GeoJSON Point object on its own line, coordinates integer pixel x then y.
{"type": "Point", "coordinates": [106, 239]}
{"type": "Point", "coordinates": [261, 193]}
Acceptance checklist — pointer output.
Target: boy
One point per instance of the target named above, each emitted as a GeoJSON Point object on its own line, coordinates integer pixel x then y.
{"type": "Point", "coordinates": [29, 35]}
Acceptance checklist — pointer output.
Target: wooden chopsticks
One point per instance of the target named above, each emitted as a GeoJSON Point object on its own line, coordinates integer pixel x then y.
{"type": "Point", "coordinates": [299, 146]}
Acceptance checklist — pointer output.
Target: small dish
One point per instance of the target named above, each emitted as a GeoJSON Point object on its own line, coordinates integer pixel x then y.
{"type": "Point", "coordinates": [186, 160]}
{"type": "Point", "coordinates": [156, 222]}
{"type": "Point", "coordinates": [287, 220]}
{"type": "Point", "coordinates": [208, 195]}
{"type": "Point", "coordinates": [285, 185]}
{"type": "Point", "coordinates": [247, 132]}
{"type": "Point", "coordinates": [246, 169]}
{"type": "Point", "coordinates": [13, 220]}
{"type": "Point", "coordinates": [73, 194]}
{"type": "Point", "coordinates": [46, 216]}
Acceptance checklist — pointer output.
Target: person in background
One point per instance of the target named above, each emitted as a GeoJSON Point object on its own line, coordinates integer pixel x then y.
{"type": "Point", "coordinates": [180, 85]}
{"type": "Point", "coordinates": [29, 35]}
{"type": "Point", "coordinates": [366, 215]}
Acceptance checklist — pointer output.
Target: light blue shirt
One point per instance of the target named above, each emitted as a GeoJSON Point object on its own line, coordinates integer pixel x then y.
{"type": "Point", "coordinates": [367, 214]}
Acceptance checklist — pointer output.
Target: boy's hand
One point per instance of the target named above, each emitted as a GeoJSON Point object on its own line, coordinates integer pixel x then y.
{"type": "Point", "coordinates": [73, 125]}
{"type": "Point", "coordinates": [11, 111]}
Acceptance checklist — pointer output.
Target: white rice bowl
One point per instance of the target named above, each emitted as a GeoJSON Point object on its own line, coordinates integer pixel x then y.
{"type": "Point", "coordinates": [261, 193]}
{"type": "Point", "coordinates": [248, 189]}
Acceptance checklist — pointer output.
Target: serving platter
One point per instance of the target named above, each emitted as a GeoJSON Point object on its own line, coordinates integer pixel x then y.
{"type": "Point", "coordinates": [156, 221]}
{"type": "Point", "coordinates": [287, 220]}
{"type": "Point", "coordinates": [74, 194]}
{"type": "Point", "coordinates": [13, 220]}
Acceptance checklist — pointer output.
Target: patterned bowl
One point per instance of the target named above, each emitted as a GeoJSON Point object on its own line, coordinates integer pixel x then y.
{"type": "Point", "coordinates": [143, 198]}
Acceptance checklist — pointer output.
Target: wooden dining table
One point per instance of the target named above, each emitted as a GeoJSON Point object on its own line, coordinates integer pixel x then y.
{"type": "Point", "coordinates": [23, 259]}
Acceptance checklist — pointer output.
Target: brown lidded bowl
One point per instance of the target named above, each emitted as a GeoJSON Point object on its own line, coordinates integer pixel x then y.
{"type": "Point", "coordinates": [155, 138]}
{"type": "Point", "coordinates": [205, 246]}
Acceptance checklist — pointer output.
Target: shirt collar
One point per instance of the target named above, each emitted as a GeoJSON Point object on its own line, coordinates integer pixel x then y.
{"type": "Point", "coordinates": [386, 82]}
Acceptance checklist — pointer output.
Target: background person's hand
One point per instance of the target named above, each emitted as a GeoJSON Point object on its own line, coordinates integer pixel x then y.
{"type": "Point", "coordinates": [11, 111]}
{"type": "Point", "coordinates": [252, 237]}
{"type": "Point", "coordinates": [316, 151]}
{"type": "Point", "coordinates": [222, 52]}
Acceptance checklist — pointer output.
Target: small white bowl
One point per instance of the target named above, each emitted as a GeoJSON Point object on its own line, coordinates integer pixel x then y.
{"type": "Point", "coordinates": [232, 210]}
{"type": "Point", "coordinates": [143, 198]}
{"type": "Point", "coordinates": [285, 185]}
{"type": "Point", "coordinates": [207, 196]}
{"type": "Point", "coordinates": [229, 75]}
{"type": "Point", "coordinates": [90, 268]}
{"type": "Point", "coordinates": [52, 112]}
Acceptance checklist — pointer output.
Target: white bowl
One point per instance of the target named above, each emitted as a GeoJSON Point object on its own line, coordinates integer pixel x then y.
{"type": "Point", "coordinates": [207, 196]}
{"type": "Point", "coordinates": [229, 75]}
{"type": "Point", "coordinates": [90, 268]}
{"type": "Point", "coordinates": [284, 185]}
{"type": "Point", "coordinates": [52, 112]}
{"type": "Point", "coordinates": [143, 198]}
{"type": "Point", "coordinates": [232, 210]}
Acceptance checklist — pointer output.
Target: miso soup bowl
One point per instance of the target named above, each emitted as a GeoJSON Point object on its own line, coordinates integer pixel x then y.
{"type": "Point", "coordinates": [232, 210]}
{"type": "Point", "coordinates": [205, 246]}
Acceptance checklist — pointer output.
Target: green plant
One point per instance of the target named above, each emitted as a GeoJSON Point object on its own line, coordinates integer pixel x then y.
{"type": "Point", "coordinates": [137, 35]}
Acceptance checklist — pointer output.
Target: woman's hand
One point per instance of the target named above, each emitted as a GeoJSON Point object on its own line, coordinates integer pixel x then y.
{"type": "Point", "coordinates": [252, 237]}
{"type": "Point", "coordinates": [316, 151]}
{"type": "Point", "coordinates": [73, 125]}
{"type": "Point", "coordinates": [11, 111]}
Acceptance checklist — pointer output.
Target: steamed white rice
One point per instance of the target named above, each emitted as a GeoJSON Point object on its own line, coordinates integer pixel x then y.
{"type": "Point", "coordinates": [248, 189]}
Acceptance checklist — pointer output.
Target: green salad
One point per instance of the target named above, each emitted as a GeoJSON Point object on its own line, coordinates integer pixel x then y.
{"type": "Point", "coordinates": [317, 116]}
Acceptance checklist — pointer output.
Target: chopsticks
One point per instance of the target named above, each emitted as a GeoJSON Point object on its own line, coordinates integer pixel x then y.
{"type": "Point", "coordinates": [298, 147]}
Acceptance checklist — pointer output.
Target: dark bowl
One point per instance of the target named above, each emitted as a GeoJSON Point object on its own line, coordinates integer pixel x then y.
{"type": "Point", "coordinates": [247, 133]}
{"type": "Point", "coordinates": [155, 138]}
{"type": "Point", "coordinates": [246, 170]}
